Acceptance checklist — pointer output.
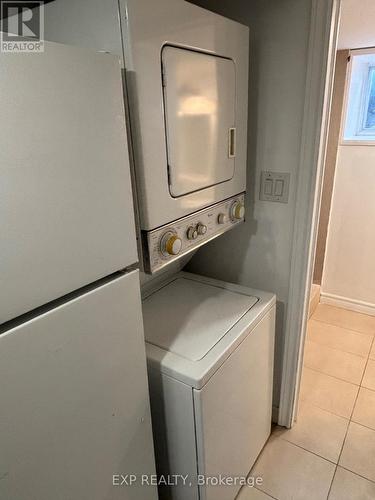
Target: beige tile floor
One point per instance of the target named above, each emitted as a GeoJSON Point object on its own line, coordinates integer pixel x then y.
{"type": "Point", "coordinates": [330, 451]}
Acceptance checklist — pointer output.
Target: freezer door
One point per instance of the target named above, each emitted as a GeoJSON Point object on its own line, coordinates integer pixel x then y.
{"type": "Point", "coordinates": [74, 400]}
{"type": "Point", "coordinates": [65, 194]}
{"type": "Point", "coordinates": [199, 103]}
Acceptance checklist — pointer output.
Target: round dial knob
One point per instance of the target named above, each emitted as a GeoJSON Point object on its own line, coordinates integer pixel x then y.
{"type": "Point", "coordinates": [238, 210]}
{"type": "Point", "coordinates": [171, 244]}
{"type": "Point", "coordinates": [201, 228]}
{"type": "Point", "coordinates": [222, 218]}
{"type": "Point", "coordinates": [192, 233]}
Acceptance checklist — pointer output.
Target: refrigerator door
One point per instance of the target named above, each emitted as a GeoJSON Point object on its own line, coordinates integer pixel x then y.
{"type": "Point", "coordinates": [74, 400]}
{"type": "Point", "coordinates": [65, 192]}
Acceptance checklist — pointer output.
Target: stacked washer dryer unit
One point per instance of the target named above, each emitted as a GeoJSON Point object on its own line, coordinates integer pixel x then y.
{"type": "Point", "coordinates": [187, 81]}
{"type": "Point", "coordinates": [209, 344]}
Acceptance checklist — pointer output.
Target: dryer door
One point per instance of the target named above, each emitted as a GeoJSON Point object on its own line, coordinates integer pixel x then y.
{"type": "Point", "coordinates": [199, 106]}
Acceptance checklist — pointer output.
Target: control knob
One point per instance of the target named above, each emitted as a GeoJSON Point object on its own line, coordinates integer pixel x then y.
{"type": "Point", "coordinates": [192, 233]}
{"type": "Point", "coordinates": [201, 228]}
{"type": "Point", "coordinates": [238, 210]}
{"type": "Point", "coordinates": [222, 218]}
{"type": "Point", "coordinates": [170, 244]}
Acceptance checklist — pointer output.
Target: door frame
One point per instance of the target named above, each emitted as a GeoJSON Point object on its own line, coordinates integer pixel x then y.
{"type": "Point", "coordinates": [319, 84]}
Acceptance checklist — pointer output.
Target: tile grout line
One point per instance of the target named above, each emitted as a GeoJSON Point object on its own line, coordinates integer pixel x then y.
{"type": "Point", "coordinates": [350, 420]}
{"type": "Point", "coordinates": [274, 498]}
{"type": "Point", "coordinates": [343, 327]}
{"type": "Point", "coordinates": [356, 398]}
{"type": "Point", "coordinates": [316, 455]}
{"type": "Point", "coordinates": [308, 403]}
{"type": "Point", "coordinates": [301, 448]}
{"type": "Point", "coordinates": [356, 474]}
{"type": "Point", "coordinates": [362, 425]}
{"type": "Point", "coordinates": [324, 409]}
{"type": "Point", "coordinates": [308, 451]}
{"type": "Point", "coordinates": [337, 349]}
{"type": "Point", "coordinates": [296, 446]}
{"type": "Point", "coordinates": [253, 467]}
{"type": "Point", "coordinates": [333, 376]}
{"type": "Point", "coordinates": [343, 442]}
{"type": "Point", "coordinates": [333, 478]}
{"type": "Point", "coordinates": [342, 447]}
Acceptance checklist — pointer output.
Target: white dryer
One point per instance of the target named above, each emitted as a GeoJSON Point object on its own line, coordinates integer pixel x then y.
{"type": "Point", "coordinates": [210, 349]}
{"type": "Point", "coordinates": [187, 82]}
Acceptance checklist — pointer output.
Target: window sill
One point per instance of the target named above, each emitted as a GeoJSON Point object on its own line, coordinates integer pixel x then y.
{"type": "Point", "coordinates": [357, 143]}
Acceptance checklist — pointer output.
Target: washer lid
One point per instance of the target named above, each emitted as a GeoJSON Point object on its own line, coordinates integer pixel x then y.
{"type": "Point", "coordinates": [188, 317]}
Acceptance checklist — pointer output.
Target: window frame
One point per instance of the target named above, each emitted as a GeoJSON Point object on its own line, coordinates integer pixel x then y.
{"type": "Point", "coordinates": [361, 136]}
{"type": "Point", "coordinates": [365, 103]}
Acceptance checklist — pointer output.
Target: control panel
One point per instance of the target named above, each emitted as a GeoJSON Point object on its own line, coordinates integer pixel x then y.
{"type": "Point", "coordinates": [167, 243]}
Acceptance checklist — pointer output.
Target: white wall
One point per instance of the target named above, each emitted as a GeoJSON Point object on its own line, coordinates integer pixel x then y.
{"type": "Point", "coordinates": [357, 24]}
{"type": "Point", "coordinates": [349, 269]}
{"type": "Point", "coordinates": [258, 253]}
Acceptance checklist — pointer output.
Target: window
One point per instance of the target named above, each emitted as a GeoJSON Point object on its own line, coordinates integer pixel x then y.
{"type": "Point", "coordinates": [369, 122]}
{"type": "Point", "coordinates": [360, 107]}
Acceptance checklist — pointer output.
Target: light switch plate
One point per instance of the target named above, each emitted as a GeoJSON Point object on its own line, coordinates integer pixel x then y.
{"type": "Point", "coordinates": [274, 186]}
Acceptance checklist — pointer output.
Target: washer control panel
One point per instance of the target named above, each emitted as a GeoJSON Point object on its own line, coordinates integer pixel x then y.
{"type": "Point", "coordinates": [167, 243]}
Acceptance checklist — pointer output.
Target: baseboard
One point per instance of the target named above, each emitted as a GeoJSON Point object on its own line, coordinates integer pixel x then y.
{"type": "Point", "coordinates": [347, 303]}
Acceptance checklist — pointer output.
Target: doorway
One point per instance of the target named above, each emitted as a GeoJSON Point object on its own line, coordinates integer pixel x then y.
{"type": "Point", "coordinates": [335, 417]}
{"type": "Point", "coordinates": [328, 450]}
{"type": "Point", "coordinates": [341, 268]}
{"type": "Point", "coordinates": [335, 403]}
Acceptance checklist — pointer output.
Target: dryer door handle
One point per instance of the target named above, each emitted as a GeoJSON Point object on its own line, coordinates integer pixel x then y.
{"type": "Point", "coordinates": [232, 142]}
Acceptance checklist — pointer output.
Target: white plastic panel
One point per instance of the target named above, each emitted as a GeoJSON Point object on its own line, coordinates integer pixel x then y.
{"type": "Point", "coordinates": [198, 373]}
{"type": "Point", "coordinates": [188, 318]}
{"type": "Point", "coordinates": [74, 400]}
{"type": "Point", "coordinates": [65, 195]}
{"type": "Point", "coordinates": [199, 106]}
{"type": "Point", "coordinates": [172, 410]}
{"type": "Point", "coordinates": [244, 382]}
{"type": "Point", "coordinates": [208, 217]}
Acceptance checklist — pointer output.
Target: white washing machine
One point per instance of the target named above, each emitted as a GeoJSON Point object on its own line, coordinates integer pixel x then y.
{"type": "Point", "coordinates": [210, 349]}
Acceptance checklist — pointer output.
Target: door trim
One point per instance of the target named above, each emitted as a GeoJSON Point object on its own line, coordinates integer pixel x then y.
{"type": "Point", "coordinates": [322, 49]}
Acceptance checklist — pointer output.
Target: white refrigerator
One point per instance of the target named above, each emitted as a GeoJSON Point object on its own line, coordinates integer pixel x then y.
{"type": "Point", "coordinates": [74, 405]}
